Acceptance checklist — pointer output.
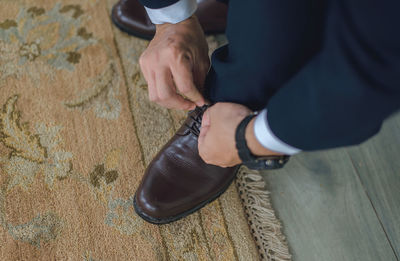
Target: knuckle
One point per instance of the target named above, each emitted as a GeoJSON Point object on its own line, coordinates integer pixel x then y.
{"type": "Point", "coordinates": [148, 59]}
{"type": "Point", "coordinates": [178, 52]}
{"type": "Point", "coordinates": [184, 58]}
{"type": "Point", "coordinates": [185, 55]}
{"type": "Point", "coordinates": [174, 50]}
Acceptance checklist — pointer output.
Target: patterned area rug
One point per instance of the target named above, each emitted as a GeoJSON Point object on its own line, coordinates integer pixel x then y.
{"type": "Point", "coordinates": [76, 132]}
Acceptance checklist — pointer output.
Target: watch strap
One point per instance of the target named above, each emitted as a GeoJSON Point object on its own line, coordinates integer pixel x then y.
{"type": "Point", "coordinates": [241, 144]}
{"type": "Point", "coordinates": [250, 160]}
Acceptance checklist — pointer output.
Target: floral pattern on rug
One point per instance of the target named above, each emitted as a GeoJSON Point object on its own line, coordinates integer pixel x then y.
{"type": "Point", "coordinates": [41, 229]}
{"type": "Point", "coordinates": [38, 39]}
{"type": "Point", "coordinates": [31, 153]}
{"type": "Point", "coordinates": [41, 153]}
{"type": "Point", "coordinates": [102, 97]}
{"type": "Point", "coordinates": [56, 36]}
{"type": "Point", "coordinates": [76, 133]}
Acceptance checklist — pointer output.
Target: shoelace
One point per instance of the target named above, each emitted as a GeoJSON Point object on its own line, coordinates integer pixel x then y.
{"type": "Point", "coordinates": [195, 126]}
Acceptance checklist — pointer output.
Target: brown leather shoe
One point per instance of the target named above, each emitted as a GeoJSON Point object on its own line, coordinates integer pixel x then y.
{"type": "Point", "coordinates": [131, 17]}
{"type": "Point", "coordinates": [178, 182]}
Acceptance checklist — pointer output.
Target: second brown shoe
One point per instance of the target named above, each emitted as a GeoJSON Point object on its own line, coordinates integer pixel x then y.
{"type": "Point", "coordinates": [178, 182]}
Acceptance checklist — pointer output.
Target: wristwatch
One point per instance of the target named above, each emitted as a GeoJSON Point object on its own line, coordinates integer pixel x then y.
{"type": "Point", "coordinates": [250, 160]}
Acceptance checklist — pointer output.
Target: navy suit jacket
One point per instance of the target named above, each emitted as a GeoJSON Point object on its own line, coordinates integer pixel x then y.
{"type": "Point", "coordinates": [348, 87]}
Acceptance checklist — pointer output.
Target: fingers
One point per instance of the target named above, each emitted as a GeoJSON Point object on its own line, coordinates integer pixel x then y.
{"type": "Point", "coordinates": [175, 65]}
{"type": "Point", "coordinates": [182, 72]}
{"type": "Point", "coordinates": [162, 89]}
{"type": "Point", "coordinates": [162, 84]}
{"type": "Point", "coordinates": [166, 93]}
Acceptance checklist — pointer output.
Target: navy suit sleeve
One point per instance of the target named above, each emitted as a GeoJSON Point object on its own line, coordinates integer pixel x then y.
{"type": "Point", "coordinates": [156, 4]}
{"type": "Point", "coordinates": [344, 93]}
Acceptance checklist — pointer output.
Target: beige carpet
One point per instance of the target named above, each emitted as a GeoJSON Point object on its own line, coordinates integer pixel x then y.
{"type": "Point", "coordinates": [76, 132]}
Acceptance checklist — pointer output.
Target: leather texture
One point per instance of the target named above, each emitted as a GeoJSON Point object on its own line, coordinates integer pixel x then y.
{"type": "Point", "coordinates": [178, 182]}
{"type": "Point", "coordinates": [131, 17]}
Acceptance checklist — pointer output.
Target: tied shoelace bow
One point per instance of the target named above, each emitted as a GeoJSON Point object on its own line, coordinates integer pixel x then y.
{"type": "Point", "coordinates": [196, 123]}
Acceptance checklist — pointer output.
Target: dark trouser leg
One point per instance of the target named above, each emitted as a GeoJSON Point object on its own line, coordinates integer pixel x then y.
{"type": "Point", "coordinates": [269, 41]}
{"type": "Point", "coordinates": [337, 97]}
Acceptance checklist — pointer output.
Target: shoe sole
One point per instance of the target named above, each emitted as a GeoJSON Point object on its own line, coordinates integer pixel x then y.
{"type": "Point", "coordinates": [168, 220]}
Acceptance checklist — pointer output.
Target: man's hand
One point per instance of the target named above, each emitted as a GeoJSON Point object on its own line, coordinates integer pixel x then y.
{"type": "Point", "coordinates": [217, 143]}
{"type": "Point", "coordinates": [175, 65]}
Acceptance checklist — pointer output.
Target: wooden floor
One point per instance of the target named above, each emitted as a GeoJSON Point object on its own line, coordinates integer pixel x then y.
{"type": "Point", "coordinates": [342, 204]}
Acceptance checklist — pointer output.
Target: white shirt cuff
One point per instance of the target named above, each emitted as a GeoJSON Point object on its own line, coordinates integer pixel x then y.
{"type": "Point", "coordinates": [266, 138]}
{"type": "Point", "coordinates": [175, 13]}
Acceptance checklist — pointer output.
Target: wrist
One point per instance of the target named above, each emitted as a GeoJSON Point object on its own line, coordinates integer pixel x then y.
{"type": "Point", "coordinates": [254, 145]}
{"type": "Point", "coordinates": [187, 22]}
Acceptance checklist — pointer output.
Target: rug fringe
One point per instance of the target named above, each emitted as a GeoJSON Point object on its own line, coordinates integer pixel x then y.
{"type": "Point", "coordinates": [264, 225]}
